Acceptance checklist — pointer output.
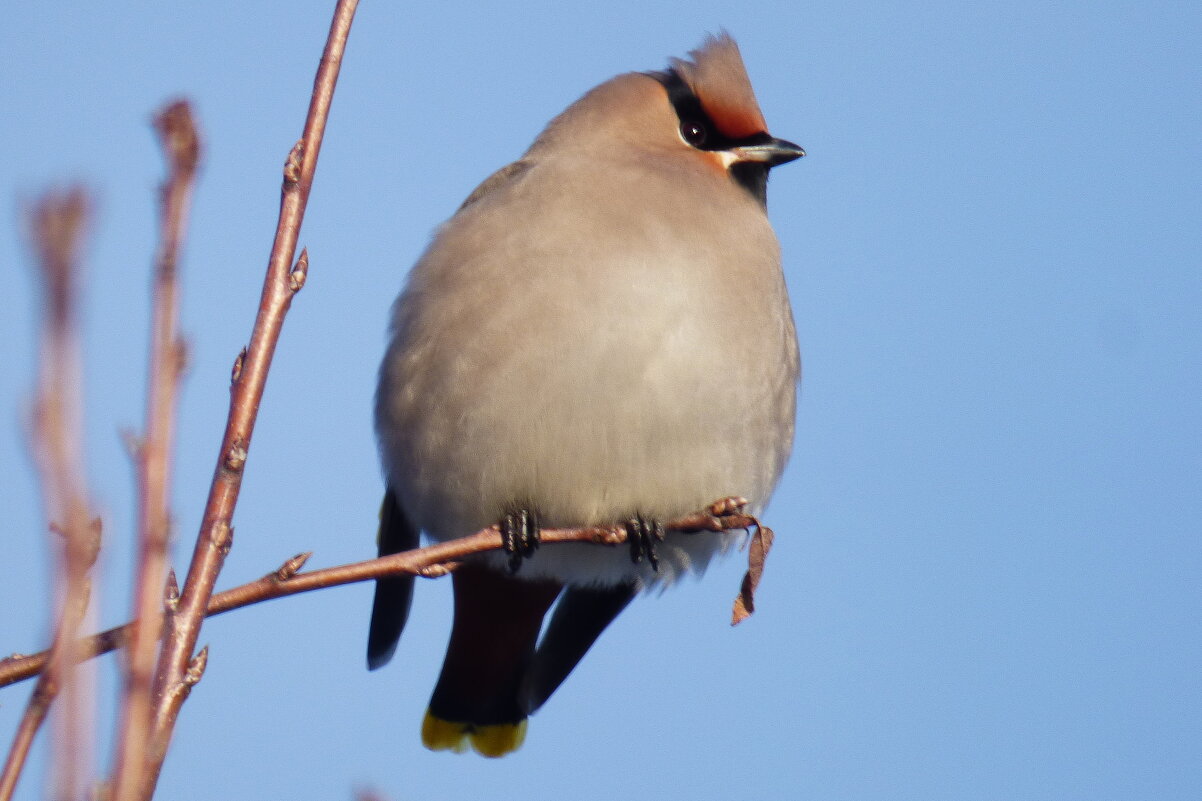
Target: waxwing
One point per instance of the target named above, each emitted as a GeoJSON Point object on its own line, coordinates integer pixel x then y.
{"type": "Point", "coordinates": [599, 335]}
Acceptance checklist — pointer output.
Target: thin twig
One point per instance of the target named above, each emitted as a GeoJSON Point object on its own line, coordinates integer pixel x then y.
{"type": "Point", "coordinates": [178, 693]}
{"type": "Point", "coordinates": [431, 561]}
{"type": "Point", "coordinates": [181, 147]}
{"type": "Point", "coordinates": [44, 693]}
{"type": "Point", "coordinates": [213, 541]}
{"type": "Point", "coordinates": [58, 222]}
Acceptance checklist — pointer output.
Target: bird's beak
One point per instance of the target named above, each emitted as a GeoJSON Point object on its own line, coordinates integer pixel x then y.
{"type": "Point", "coordinates": [772, 152]}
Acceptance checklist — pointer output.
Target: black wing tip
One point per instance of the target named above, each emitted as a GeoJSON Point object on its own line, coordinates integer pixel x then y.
{"type": "Point", "coordinates": [379, 657]}
{"type": "Point", "coordinates": [579, 618]}
{"type": "Point", "coordinates": [387, 622]}
{"type": "Point", "coordinates": [394, 594]}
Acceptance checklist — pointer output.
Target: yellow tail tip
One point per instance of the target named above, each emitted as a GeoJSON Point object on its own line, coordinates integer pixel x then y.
{"type": "Point", "coordinates": [443, 735]}
{"type": "Point", "coordinates": [494, 740]}
{"type": "Point", "coordinates": [499, 739]}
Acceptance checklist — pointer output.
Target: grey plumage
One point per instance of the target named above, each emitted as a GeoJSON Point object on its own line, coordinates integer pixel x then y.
{"type": "Point", "coordinates": [602, 330]}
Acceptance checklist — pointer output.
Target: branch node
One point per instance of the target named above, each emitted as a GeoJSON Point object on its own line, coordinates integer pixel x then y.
{"type": "Point", "coordinates": [438, 570]}
{"type": "Point", "coordinates": [57, 226]}
{"type": "Point", "coordinates": [235, 458]}
{"type": "Point", "coordinates": [196, 668]}
{"type": "Point", "coordinates": [724, 515]}
{"type": "Point", "coordinates": [181, 144]}
{"type": "Point", "coordinates": [292, 166]}
{"type": "Point", "coordinates": [83, 549]}
{"type": "Point", "coordinates": [236, 372]}
{"type": "Point", "coordinates": [171, 592]}
{"type": "Point", "coordinates": [292, 566]}
{"type": "Point", "coordinates": [296, 278]}
{"type": "Point", "coordinates": [735, 504]}
{"type": "Point", "coordinates": [222, 537]}
{"type": "Point", "coordinates": [611, 535]}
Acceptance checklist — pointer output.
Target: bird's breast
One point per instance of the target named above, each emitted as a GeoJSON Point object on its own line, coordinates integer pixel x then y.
{"type": "Point", "coordinates": [591, 358]}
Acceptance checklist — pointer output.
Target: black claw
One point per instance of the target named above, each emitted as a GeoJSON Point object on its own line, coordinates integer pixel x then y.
{"type": "Point", "coordinates": [519, 536]}
{"type": "Point", "coordinates": [643, 534]}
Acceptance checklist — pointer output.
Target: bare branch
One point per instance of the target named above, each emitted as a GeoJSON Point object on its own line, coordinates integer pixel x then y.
{"type": "Point", "coordinates": [212, 542]}
{"type": "Point", "coordinates": [429, 562]}
{"type": "Point", "coordinates": [58, 221]}
{"type": "Point", "coordinates": [44, 693]}
{"type": "Point", "coordinates": [175, 697]}
{"type": "Point", "coordinates": [181, 148]}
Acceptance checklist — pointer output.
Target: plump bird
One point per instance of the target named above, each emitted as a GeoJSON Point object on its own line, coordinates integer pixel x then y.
{"type": "Point", "coordinates": [601, 334]}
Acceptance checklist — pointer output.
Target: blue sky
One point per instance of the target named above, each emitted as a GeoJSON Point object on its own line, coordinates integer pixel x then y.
{"type": "Point", "coordinates": [986, 579]}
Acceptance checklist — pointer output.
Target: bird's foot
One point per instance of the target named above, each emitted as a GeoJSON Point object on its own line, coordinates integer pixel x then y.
{"type": "Point", "coordinates": [519, 536]}
{"type": "Point", "coordinates": [643, 534]}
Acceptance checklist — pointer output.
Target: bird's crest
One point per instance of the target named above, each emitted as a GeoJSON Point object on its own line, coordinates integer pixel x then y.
{"type": "Point", "coordinates": [716, 75]}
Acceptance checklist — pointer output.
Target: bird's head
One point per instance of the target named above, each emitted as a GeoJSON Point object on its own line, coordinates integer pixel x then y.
{"type": "Point", "coordinates": [718, 116]}
{"type": "Point", "coordinates": [700, 113]}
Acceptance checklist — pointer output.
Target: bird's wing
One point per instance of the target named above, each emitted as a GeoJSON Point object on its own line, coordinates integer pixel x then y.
{"type": "Point", "coordinates": [579, 618]}
{"type": "Point", "coordinates": [496, 180]}
{"type": "Point", "coordinates": [394, 594]}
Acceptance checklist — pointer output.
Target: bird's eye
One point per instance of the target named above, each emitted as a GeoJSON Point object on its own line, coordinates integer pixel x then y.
{"type": "Point", "coordinates": [693, 132]}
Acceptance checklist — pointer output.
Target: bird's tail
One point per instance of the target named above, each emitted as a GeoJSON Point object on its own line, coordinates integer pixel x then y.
{"type": "Point", "coordinates": [496, 626]}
